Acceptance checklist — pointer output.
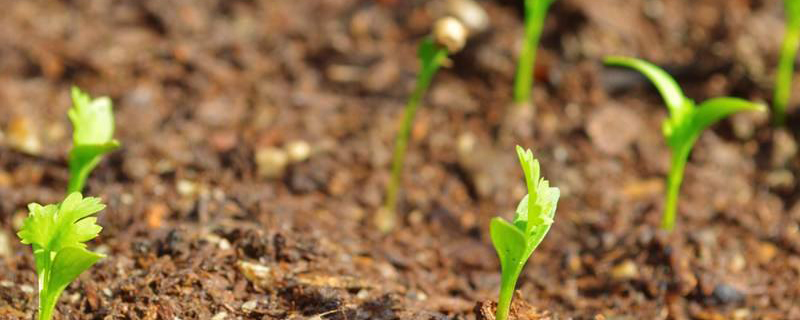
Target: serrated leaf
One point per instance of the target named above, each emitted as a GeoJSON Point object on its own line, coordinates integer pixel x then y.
{"type": "Point", "coordinates": [670, 90]}
{"type": "Point", "coordinates": [52, 228]}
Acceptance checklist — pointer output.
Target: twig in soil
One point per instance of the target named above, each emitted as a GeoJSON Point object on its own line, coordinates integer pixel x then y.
{"type": "Point", "coordinates": [684, 125]}
{"type": "Point", "coordinates": [783, 79]}
{"type": "Point", "coordinates": [449, 36]}
{"type": "Point", "coordinates": [57, 233]}
{"type": "Point", "coordinates": [93, 136]}
{"type": "Point", "coordinates": [535, 14]}
{"type": "Point", "coordinates": [516, 241]}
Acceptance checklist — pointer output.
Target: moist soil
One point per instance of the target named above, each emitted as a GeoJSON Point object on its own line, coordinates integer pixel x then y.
{"type": "Point", "coordinates": [197, 228]}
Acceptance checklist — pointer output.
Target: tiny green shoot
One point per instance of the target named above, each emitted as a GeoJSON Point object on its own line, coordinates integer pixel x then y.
{"type": "Point", "coordinates": [783, 81]}
{"type": "Point", "coordinates": [516, 241]}
{"type": "Point", "coordinates": [535, 14]}
{"type": "Point", "coordinates": [449, 36]}
{"type": "Point", "coordinates": [684, 125]}
{"type": "Point", "coordinates": [57, 234]}
{"type": "Point", "coordinates": [93, 136]}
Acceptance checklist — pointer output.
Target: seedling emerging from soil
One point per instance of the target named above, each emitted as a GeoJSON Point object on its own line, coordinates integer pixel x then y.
{"type": "Point", "coordinates": [93, 136]}
{"type": "Point", "coordinates": [515, 242]}
{"type": "Point", "coordinates": [449, 36]}
{"type": "Point", "coordinates": [783, 81]}
{"type": "Point", "coordinates": [684, 125]}
{"type": "Point", "coordinates": [535, 14]}
{"type": "Point", "coordinates": [57, 234]}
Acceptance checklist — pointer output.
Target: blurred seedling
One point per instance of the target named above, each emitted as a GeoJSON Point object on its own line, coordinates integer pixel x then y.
{"type": "Point", "coordinates": [516, 241]}
{"type": "Point", "coordinates": [57, 233]}
{"type": "Point", "coordinates": [684, 125]}
{"type": "Point", "coordinates": [93, 136]}
{"type": "Point", "coordinates": [783, 81]}
{"type": "Point", "coordinates": [535, 14]}
{"type": "Point", "coordinates": [449, 36]}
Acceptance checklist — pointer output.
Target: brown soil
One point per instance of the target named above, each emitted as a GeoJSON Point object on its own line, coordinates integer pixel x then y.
{"type": "Point", "coordinates": [194, 232]}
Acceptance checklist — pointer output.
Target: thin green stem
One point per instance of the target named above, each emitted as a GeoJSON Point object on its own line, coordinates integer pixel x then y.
{"type": "Point", "coordinates": [783, 81]}
{"type": "Point", "coordinates": [507, 285]}
{"type": "Point", "coordinates": [679, 158]}
{"type": "Point", "coordinates": [47, 303]}
{"type": "Point", "coordinates": [535, 13]}
{"type": "Point", "coordinates": [424, 78]}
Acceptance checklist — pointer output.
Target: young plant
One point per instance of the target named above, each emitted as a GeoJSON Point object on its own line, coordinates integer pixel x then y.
{"type": "Point", "coordinates": [535, 14]}
{"type": "Point", "coordinates": [449, 37]}
{"type": "Point", "coordinates": [93, 136]}
{"type": "Point", "coordinates": [783, 81]}
{"type": "Point", "coordinates": [57, 234]}
{"type": "Point", "coordinates": [515, 241]}
{"type": "Point", "coordinates": [684, 125]}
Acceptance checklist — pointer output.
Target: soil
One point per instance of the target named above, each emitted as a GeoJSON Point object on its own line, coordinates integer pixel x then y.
{"type": "Point", "coordinates": [196, 228]}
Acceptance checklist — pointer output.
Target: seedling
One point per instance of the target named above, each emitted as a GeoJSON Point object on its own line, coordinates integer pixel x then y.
{"type": "Point", "coordinates": [57, 234]}
{"type": "Point", "coordinates": [535, 14]}
{"type": "Point", "coordinates": [684, 125]}
{"type": "Point", "coordinates": [449, 36]}
{"type": "Point", "coordinates": [783, 81]}
{"type": "Point", "coordinates": [515, 242]}
{"type": "Point", "coordinates": [93, 136]}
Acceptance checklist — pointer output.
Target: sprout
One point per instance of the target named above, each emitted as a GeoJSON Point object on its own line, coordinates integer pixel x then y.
{"type": "Point", "coordinates": [93, 136]}
{"type": "Point", "coordinates": [535, 13]}
{"type": "Point", "coordinates": [516, 241]}
{"type": "Point", "coordinates": [57, 234]}
{"type": "Point", "coordinates": [783, 81]}
{"type": "Point", "coordinates": [449, 35]}
{"type": "Point", "coordinates": [684, 125]}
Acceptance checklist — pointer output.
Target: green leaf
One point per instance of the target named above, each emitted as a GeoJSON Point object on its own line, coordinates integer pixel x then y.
{"type": "Point", "coordinates": [57, 234]}
{"type": "Point", "coordinates": [93, 125]}
{"type": "Point", "coordinates": [509, 242]}
{"type": "Point", "coordinates": [666, 85]}
{"type": "Point", "coordinates": [712, 110]}
{"type": "Point", "coordinates": [792, 8]}
{"type": "Point", "coordinates": [92, 119]}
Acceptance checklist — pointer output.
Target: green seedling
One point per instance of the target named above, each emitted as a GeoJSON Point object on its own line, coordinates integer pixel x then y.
{"type": "Point", "coordinates": [684, 125]}
{"type": "Point", "coordinates": [57, 234]}
{"type": "Point", "coordinates": [516, 241]}
{"type": "Point", "coordinates": [783, 81]}
{"type": "Point", "coordinates": [449, 36]}
{"type": "Point", "coordinates": [93, 136]}
{"type": "Point", "coordinates": [535, 14]}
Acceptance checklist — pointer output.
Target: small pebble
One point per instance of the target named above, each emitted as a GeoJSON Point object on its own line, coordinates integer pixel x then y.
{"type": "Point", "coordinates": [186, 188]}
{"type": "Point", "coordinates": [625, 270]}
{"type": "Point", "coordinates": [5, 245]}
{"type": "Point", "coordinates": [271, 162]}
{"type": "Point", "coordinates": [249, 305]}
{"type": "Point", "coordinates": [222, 315]}
{"type": "Point", "coordinates": [26, 288]}
{"type": "Point", "coordinates": [22, 136]}
{"type": "Point", "coordinates": [726, 294]}
{"type": "Point", "coordinates": [298, 151]}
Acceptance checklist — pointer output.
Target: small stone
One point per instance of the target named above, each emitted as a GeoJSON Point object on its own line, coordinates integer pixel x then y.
{"type": "Point", "coordinates": [740, 314]}
{"type": "Point", "coordinates": [5, 245]}
{"type": "Point", "coordinates": [780, 179]}
{"type": "Point", "coordinates": [155, 215]}
{"type": "Point", "coordinates": [765, 252]}
{"type": "Point", "coordinates": [737, 263]}
{"type": "Point", "coordinates": [22, 136]}
{"type": "Point", "coordinates": [625, 270]}
{"type": "Point", "coordinates": [186, 187]}
{"type": "Point", "coordinates": [250, 305]}
{"type": "Point", "coordinates": [222, 315]}
{"type": "Point", "coordinates": [727, 294]}
{"type": "Point", "coordinates": [261, 276]}
{"type": "Point", "coordinates": [271, 162]}
{"type": "Point", "coordinates": [26, 288]}
{"type": "Point", "coordinates": [784, 148]}
{"type": "Point", "coordinates": [298, 151]}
